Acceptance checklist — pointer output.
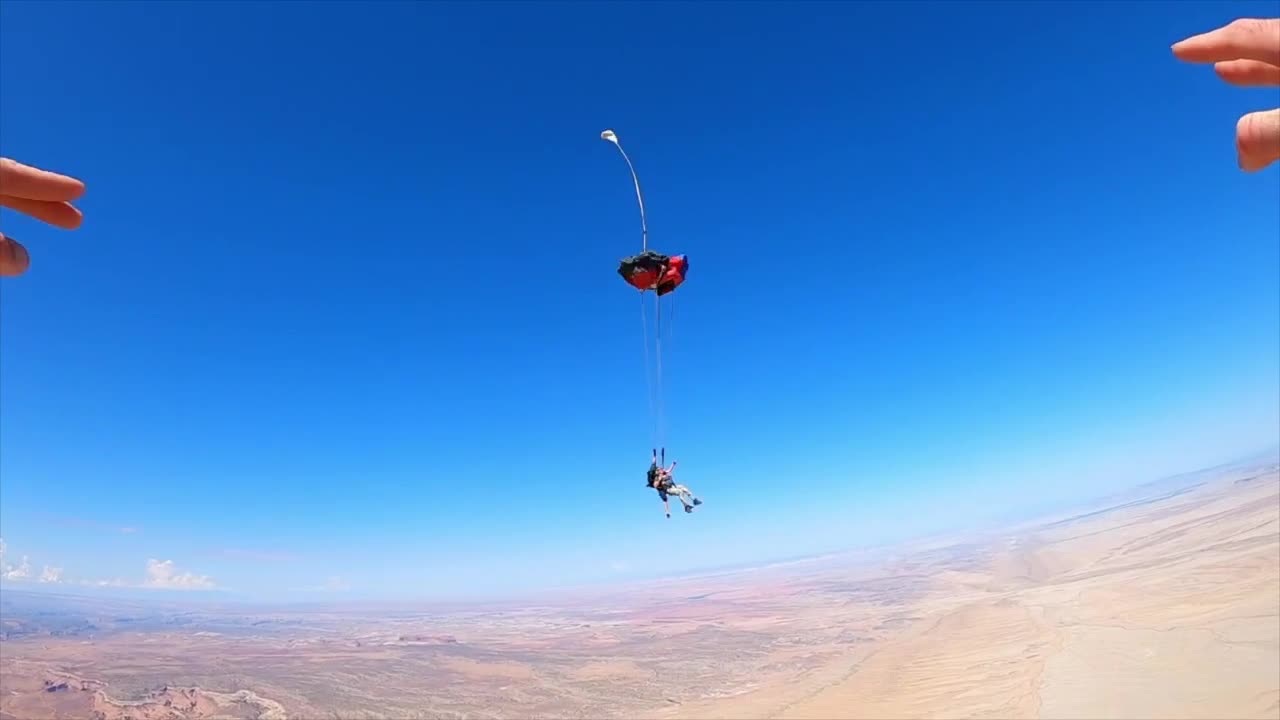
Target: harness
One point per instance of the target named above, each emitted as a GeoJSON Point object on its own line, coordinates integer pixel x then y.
{"type": "Point", "coordinates": [663, 484]}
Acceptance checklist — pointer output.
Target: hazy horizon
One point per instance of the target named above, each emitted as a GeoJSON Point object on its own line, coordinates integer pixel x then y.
{"type": "Point", "coordinates": [976, 529]}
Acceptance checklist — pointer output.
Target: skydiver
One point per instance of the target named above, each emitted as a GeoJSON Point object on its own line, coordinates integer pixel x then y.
{"type": "Point", "coordinates": [661, 479]}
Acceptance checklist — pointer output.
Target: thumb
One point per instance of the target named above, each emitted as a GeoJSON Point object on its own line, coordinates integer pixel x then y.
{"type": "Point", "coordinates": [14, 259]}
{"type": "Point", "coordinates": [1258, 140]}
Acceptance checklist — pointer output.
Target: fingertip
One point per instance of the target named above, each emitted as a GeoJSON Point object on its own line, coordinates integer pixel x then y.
{"type": "Point", "coordinates": [1258, 134]}
{"type": "Point", "coordinates": [1247, 163]}
{"type": "Point", "coordinates": [1186, 48]}
{"type": "Point", "coordinates": [1257, 140]}
{"type": "Point", "coordinates": [73, 219]}
{"type": "Point", "coordinates": [14, 259]}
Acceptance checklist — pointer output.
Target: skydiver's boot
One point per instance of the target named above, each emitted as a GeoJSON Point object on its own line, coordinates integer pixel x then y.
{"type": "Point", "coordinates": [696, 501]}
{"type": "Point", "coordinates": [688, 508]}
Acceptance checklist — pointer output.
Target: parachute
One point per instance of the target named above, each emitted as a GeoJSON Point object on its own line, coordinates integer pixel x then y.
{"type": "Point", "coordinates": [662, 274]}
{"type": "Point", "coordinates": [654, 271]}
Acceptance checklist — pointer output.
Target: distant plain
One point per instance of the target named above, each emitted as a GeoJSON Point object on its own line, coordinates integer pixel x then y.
{"type": "Point", "coordinates": [1163, 603]}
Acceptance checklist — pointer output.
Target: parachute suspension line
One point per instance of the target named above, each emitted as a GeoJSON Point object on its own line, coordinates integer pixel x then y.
{"type": "Point", "coordinates": [657, 405]}
{"type": "Point", "coordinates": [671, 324]}
{"type": "Point", "coordinates": [662, 410]}
{"type": "Point", "coordinates": [610, 136]}
{"type": "Point", "coordinates": [648, 374]}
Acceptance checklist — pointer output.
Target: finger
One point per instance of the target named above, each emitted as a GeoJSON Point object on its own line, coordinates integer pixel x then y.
{"type": "Point", "coordinates": [13, 257]}
{"type": "Point", "coordinates": [1248, 73]}
{"type": "Point", "coordinates": [1258, 140]}
{"type": "Point", "coordinates": [59, 214]}
{"type": "Point", "coordinates": [1243, 39]}
{"type": "Point", "coordinates": [24, 181]}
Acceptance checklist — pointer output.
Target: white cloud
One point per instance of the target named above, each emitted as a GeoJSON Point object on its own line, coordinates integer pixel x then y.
{"type": "Point", "coordinates": [20, 572]}
{"type": "Point", "coordinates": [163, 574]}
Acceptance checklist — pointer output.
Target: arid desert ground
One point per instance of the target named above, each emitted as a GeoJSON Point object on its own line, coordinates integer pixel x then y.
{"type": "Point", "coordinates": [1163, 603]}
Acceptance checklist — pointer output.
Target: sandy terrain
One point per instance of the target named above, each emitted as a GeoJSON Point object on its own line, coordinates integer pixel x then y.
{"type": "Point", "coordinates": [1166, 604]}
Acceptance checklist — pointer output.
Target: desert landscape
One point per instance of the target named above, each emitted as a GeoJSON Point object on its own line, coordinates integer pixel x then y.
{"type": "Point", "coordinates": [1163, 603]}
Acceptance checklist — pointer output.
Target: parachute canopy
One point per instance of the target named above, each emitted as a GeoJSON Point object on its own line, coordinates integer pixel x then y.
{"type": "Point", "coordinates": [652, 270]}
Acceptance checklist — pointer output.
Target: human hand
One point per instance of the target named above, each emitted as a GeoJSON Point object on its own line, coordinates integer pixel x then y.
{"type": "Point", "coordinates": [1245, 52]}
{"type": "Point", "coordinates": [41, 194]}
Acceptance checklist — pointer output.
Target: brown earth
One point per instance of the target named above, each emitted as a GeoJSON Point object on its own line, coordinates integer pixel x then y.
{"type": "Point", "coordinates": [1165, 605]}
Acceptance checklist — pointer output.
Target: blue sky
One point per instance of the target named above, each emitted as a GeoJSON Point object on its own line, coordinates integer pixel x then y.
{"type": "Point", "coordinates": [343, 311]}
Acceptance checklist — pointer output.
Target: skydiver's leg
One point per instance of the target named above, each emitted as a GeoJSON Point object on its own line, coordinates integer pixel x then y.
{"type": "Point", "coordinates": [685, 496]}
{"type": "Point", "coordinates": [684, 493]}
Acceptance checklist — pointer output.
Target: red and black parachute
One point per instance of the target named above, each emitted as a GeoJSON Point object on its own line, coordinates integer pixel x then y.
{"type": "Point", "coordinates": [652, 270]}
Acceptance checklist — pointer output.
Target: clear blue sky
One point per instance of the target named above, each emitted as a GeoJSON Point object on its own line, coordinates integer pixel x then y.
{"type": "Point", "coordinates": [344, 304]}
